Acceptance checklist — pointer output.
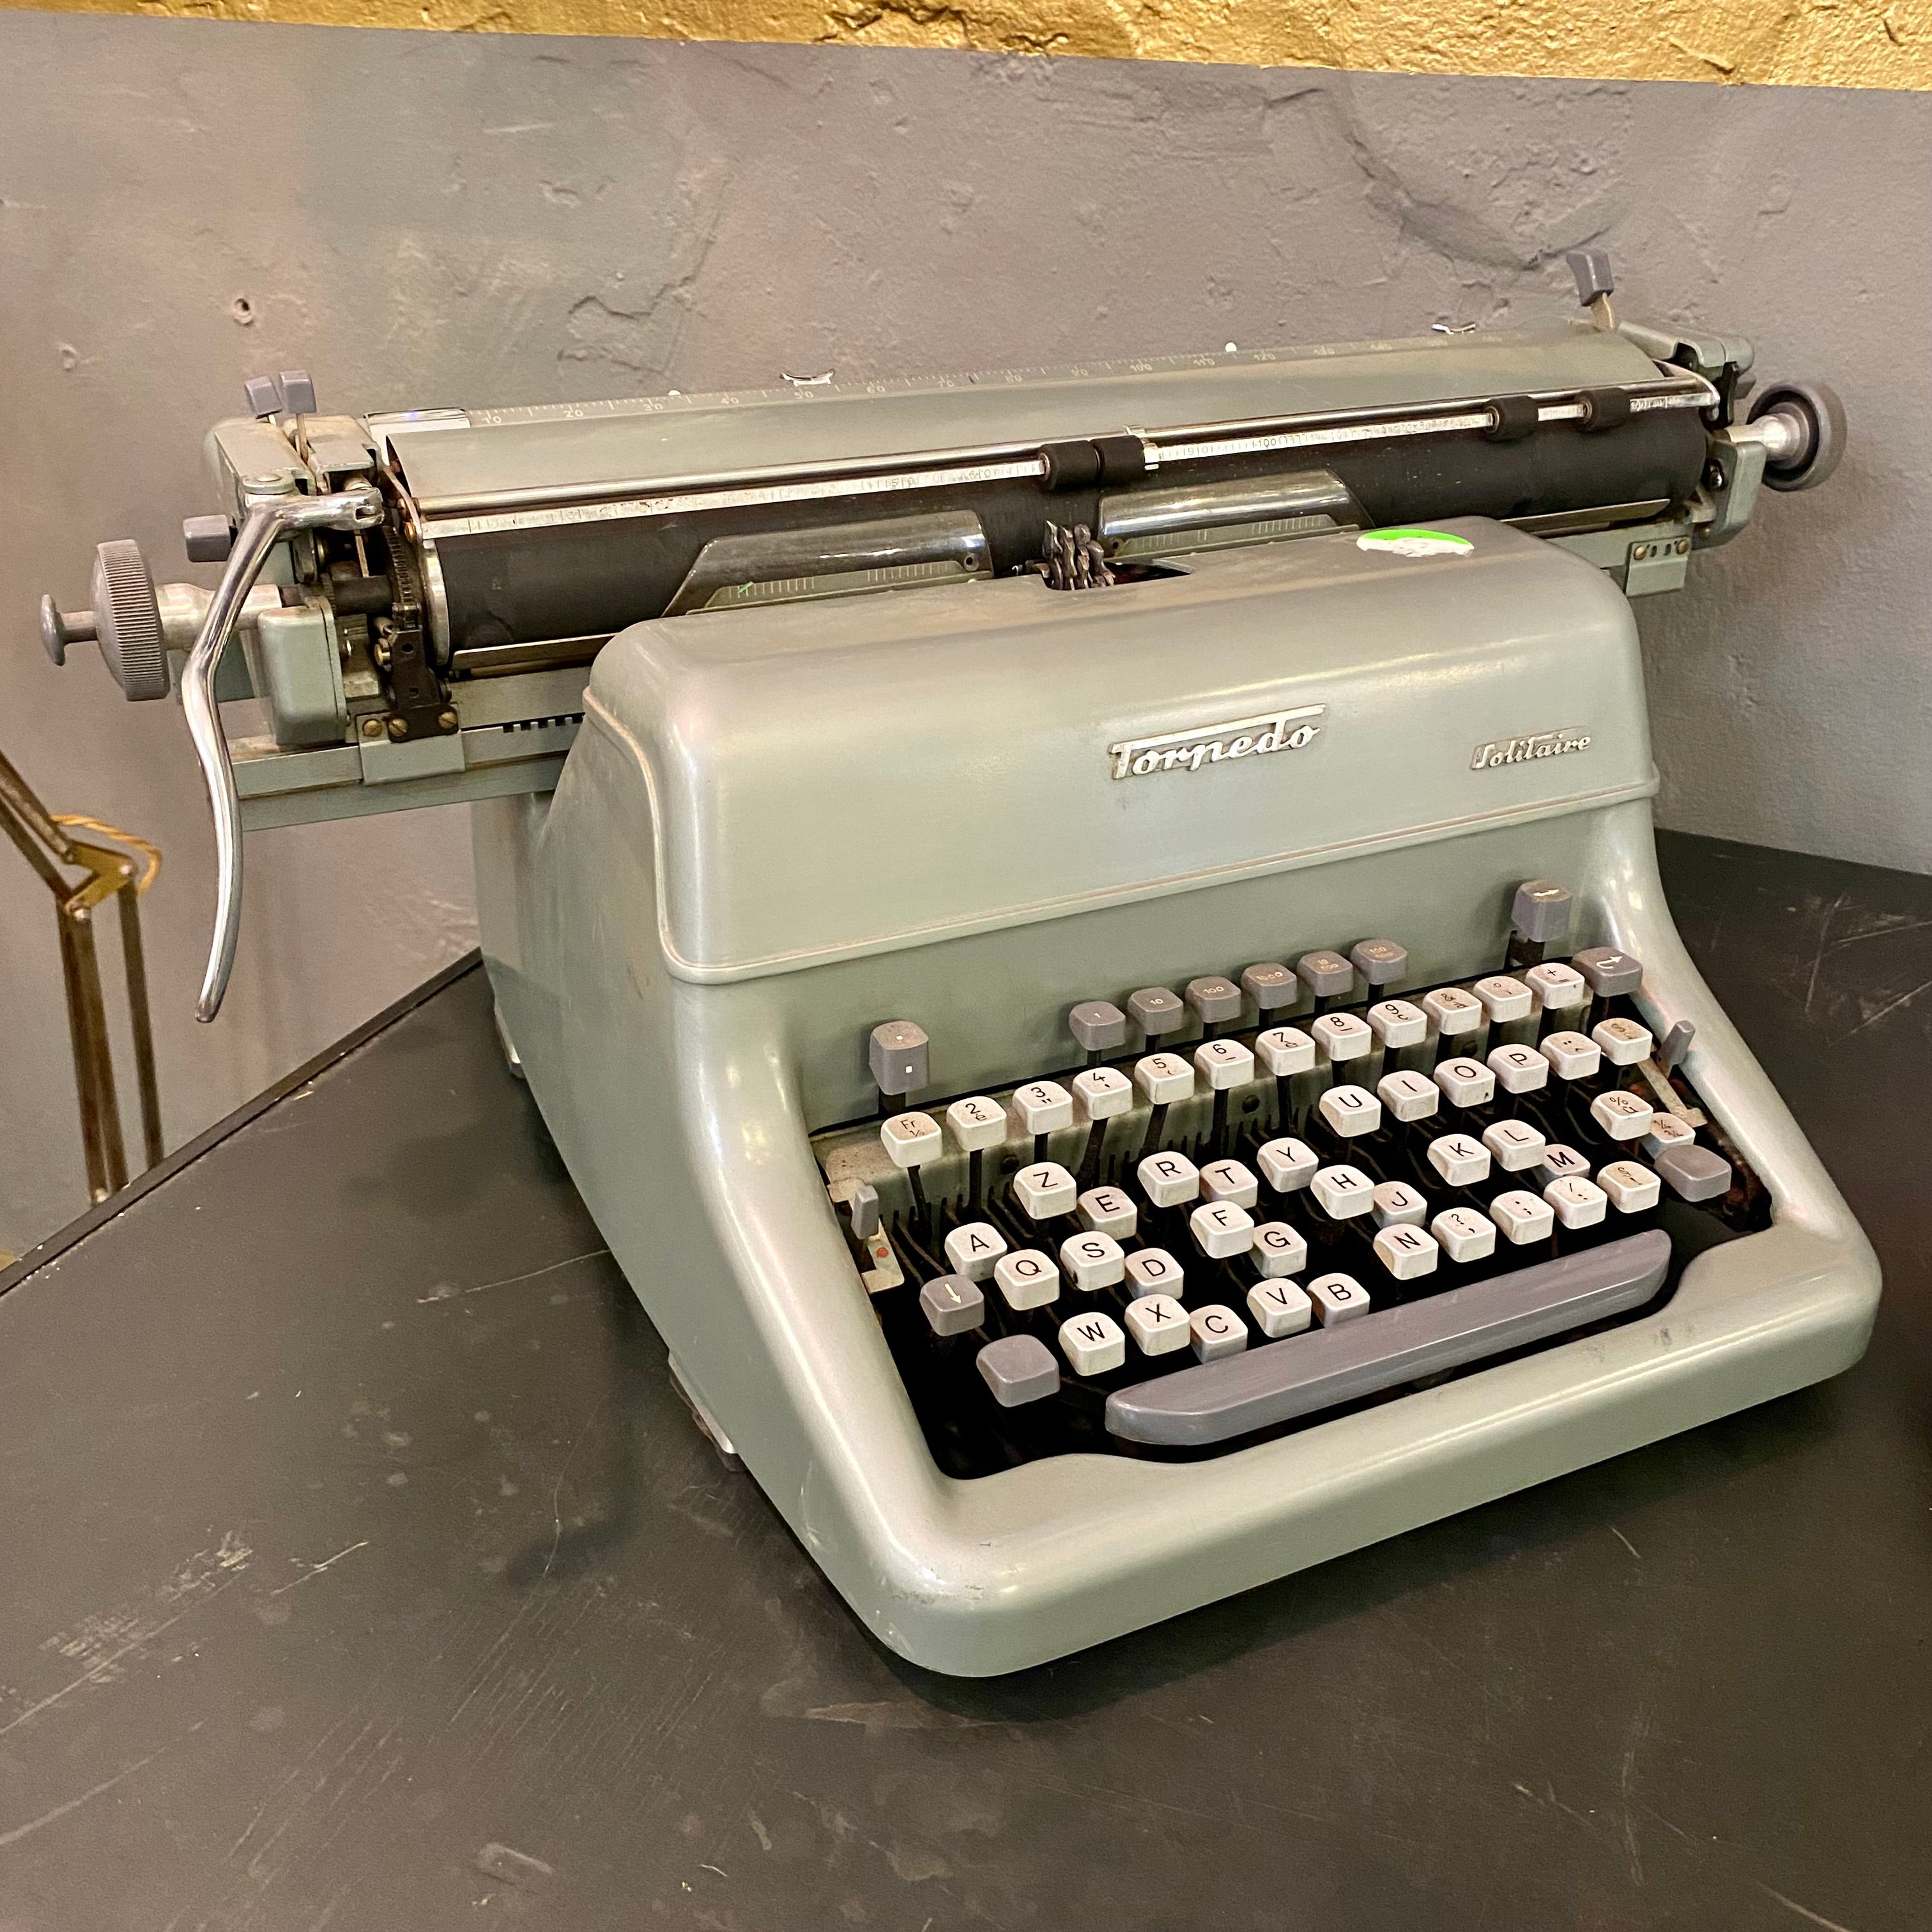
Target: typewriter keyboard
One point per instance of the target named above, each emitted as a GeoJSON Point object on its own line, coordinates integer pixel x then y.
{"type": "Point", "coordinates": [1252, 1204]}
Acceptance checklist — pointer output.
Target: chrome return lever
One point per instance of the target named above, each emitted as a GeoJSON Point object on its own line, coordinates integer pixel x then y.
{"type": "Point", "coordinates": [268, 520]}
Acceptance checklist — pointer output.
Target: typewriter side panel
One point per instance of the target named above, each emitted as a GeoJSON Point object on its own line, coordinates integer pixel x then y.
{"type": "Point", "coordinates": [679, 1111]}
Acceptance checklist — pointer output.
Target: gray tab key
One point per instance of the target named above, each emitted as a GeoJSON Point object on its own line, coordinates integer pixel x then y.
{"type": "Point", "coordinates": [1215, 1000]}
{"type": "Point", "coordinates": [1327, 975]}
{"type": "Point", "coordinates": [1381, 962]}
{"type": "Point", "coordinates": [1156, 1010]}
{"type": "Point", "coordinates": [1385, 1349]}
{"type": "Point", "coordinates": [1098, 1025]}
{"type": "Point", "coordinates": [1270, 984]}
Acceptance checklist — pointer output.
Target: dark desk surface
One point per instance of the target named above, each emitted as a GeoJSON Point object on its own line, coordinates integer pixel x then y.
{"type": "Point", "coordinates": [361, 1571]}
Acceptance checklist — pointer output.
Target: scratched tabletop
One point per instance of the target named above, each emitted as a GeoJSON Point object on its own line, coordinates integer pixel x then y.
{"type": "Point", "coordinates": [361, 1571]}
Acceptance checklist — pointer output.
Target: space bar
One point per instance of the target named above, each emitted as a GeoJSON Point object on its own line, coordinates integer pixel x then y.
{"type": "Point", "coordinates": [1325, 1367]}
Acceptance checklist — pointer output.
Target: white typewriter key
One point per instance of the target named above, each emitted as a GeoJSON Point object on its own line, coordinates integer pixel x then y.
{"type": "Point", "coordinates": [1463, 1234]}
{"type": "Point", "coordinates": [1570, 1056]}
{"type": "Point", "coordinates": [1352, 1111]}
{"type": "Point", "coordinates": [1666, 1130]}
{"type": "Point", "coordinates": [1230, 1181]}
{"type": "Point", "coordinates": [1578, 1203]}
{"type": "Point", "coordinates": [1101, 1092]}
{"type": "Point", "coordinates": [977, 1123]}
{"type": "Point", "coordinates": [1091, 1261]}
{"type": "Point", "coordinates": [1279, 1250]}
{"type": "Point", "coordinates": [1217, 1331]}
{"type": "Point", "coordinates": [1344, 1192]}
{"type": "Point", "coordinates": [1632, 1187]}
{"type": "Point", "coordinates": [1153, 1271]}
{"type": "Point", "coordinates": [1397, 1203]}
{"type": "Point", "coordinates": [1027, 1279]}
{"type": "Point", "coordinates": [1341, 1036]}
{"type": "Point", "coordinates": [1168, 1180]}
{"type": "Point", "coordinates": [1561, 1163]}
{"type": "Point", "coordinates": [1467, 1082]}
{"type": "Point", "coordinates": [1520, 1069]}
{"type": "Point", "coordinates": [1287, 1164]}
{"type": "Point", "coordinates": [1337, 1297]}
{"type": "Point", "coordinates": [1623, 1042]}
{"type": "Point", "coordinates": [1093, 1343]}
{"type": "Point", "coordinates": [1503, 999]}
{"type": "Point", "coordinates": [1223, 1063]}
{"type": "Point", "coordinates": [1409, 1096]}
{"type": "Point", "coordinates": [1452, 1011]}
{"type": "Point", "coordinates": [1515, 1145]}
{"type": "Point", "coordinates": [1558, 986]}
{"type": "Point", "coordinates": [1045, 1189]}
{"type": "Point", "coordinates": [1107, 1210]}
{"type": "Point", "coordinates": [1164, 1078]}
{"type": "Point", "coordinates": [1522, 1216]}
{"type": "Point", "coordinates": [1407, 1252]}
{"type": "Point", "coordinates": [1044, 1106]}
{"type": "Point", "coordinates": [1284, 1050]}
{"type": "Point", "coordinates": [1158, 1323]}
{"type": "Point", "coordinates": [1221, 1230]}
{"type": "Point", "coordinates": [1396, 1023]}
{"type": "Point", "coordinates": [1460, 1158]}
{"type": "Point", "coordinates": [974, 1247]}
{"type": "Point", "coordinates": [911, 1139]}
{"type": "Point", "coordinates": [1622, 1116]}
{"type": "Point", "coordinates": [1279, 1308]}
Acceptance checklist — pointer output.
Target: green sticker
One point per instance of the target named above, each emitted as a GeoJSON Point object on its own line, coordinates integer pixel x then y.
{"type": "Point", "coordinates": [1415, 543]}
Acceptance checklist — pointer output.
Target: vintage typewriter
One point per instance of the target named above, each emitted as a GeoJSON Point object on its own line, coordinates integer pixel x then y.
{"type": "Point", "coordinates": [1091, 938]}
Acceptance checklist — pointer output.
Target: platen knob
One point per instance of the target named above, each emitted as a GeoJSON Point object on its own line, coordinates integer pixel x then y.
{"type": "Point", "coordinates": [1814, 420]}
{"type": "Point", "coordinates": [125, 622]}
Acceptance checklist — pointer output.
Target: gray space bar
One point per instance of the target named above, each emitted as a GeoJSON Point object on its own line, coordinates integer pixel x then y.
{"type": "Point", "coordinates": [1324, 1367]}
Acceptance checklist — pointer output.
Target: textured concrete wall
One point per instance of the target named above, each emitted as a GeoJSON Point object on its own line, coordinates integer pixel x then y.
{"type": "Point", "coordinates": [424, 219]}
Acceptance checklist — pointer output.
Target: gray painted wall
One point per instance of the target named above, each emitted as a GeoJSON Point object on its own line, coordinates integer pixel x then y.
{"type": "Point", "coordinates": [424, 219]}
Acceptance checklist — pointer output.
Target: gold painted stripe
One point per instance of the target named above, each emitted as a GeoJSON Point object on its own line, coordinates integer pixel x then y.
{"type": "Point", "coordinates": [1884, 44]}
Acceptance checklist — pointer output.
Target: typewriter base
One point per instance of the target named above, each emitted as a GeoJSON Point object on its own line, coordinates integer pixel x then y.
{"type": "Point", "coordinates": [680, 1119]}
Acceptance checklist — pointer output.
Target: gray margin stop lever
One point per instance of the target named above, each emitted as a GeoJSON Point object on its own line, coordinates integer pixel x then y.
{"type": "Point", "coordinates": [898, 1053]}
{"type": "Point", "coordinates": [1595, 284]}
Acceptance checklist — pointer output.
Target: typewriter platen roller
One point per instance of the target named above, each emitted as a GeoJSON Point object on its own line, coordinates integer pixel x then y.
{"type": "Point", "coordinates": [1090, 938]}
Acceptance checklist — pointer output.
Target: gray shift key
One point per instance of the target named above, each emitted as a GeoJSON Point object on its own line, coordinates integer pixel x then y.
{"type": "Point", "coordinates": [1296, 1376]}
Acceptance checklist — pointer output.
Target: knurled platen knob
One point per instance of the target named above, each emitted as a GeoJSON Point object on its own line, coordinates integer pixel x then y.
{"type": "Point", "coordinates": [127, 621]}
